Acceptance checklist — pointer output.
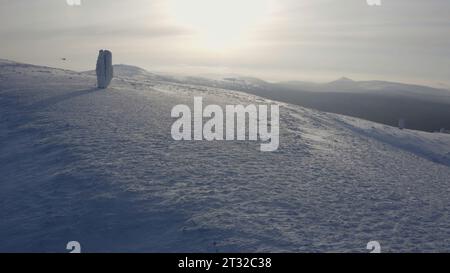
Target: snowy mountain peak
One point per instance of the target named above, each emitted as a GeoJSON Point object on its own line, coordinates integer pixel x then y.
{"type": "Point", "coordinates": [343, 80]}
{"type": "Point", "coordinates": [129, 70]}
{"type": "Point", "coordinates": [79, 163]}
{"type": "Point", "coordinates": [134, 72]}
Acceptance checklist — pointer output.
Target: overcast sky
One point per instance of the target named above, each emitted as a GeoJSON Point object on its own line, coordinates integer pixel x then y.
{"type": "Point", "coordinates": [319, 40]}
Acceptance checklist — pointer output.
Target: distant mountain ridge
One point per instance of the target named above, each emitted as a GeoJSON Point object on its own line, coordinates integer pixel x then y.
{"type": "Point", "coordinates": [424, 108]}
{"type": "Point", "coordinates": [343, 84]}
{"type": "Point", "coordinates": [347, 85]}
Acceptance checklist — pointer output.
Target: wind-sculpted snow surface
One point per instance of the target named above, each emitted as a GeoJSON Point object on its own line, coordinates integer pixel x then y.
{"type": "Point", "coordinates": [101, 168]}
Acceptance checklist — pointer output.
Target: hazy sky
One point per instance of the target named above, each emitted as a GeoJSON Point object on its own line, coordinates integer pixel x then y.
{"type": "Point", "coordinates": [402, 40]}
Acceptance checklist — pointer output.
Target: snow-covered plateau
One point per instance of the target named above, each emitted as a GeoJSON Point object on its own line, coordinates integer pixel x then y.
{"type": "Point", "coordinates": [100, 167]}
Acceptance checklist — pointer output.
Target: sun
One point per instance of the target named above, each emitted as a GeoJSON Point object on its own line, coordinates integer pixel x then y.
{"type": "Point", "coordinates": [219, 24]}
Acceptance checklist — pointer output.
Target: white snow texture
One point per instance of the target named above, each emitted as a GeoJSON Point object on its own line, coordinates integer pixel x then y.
{"type": "Point", "coordinates": [101, 168]}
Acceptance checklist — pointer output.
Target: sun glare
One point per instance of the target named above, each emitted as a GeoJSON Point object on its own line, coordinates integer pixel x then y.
{"type": "Point", "coordinates": [219, 24]}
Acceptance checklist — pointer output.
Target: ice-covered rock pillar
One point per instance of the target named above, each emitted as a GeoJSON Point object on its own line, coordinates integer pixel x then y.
{"type": "Point", "coordinates": [104, 69]}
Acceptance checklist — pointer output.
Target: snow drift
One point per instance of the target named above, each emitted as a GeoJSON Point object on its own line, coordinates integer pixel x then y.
{"type": "Point", "coordinates": [80, 164]}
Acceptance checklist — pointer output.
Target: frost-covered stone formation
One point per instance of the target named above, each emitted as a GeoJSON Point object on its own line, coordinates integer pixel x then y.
{"type": "Point", "coordinates": [104, 69]}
